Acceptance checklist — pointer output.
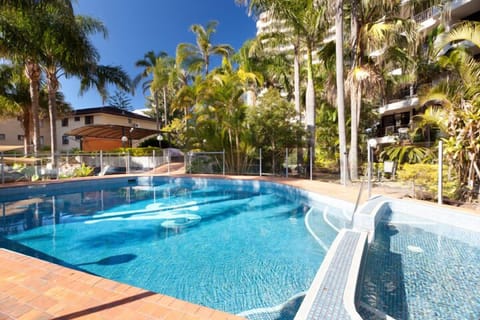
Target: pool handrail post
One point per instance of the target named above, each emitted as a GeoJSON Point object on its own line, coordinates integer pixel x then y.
{"type": "Point", "coordinates": [440, 172]}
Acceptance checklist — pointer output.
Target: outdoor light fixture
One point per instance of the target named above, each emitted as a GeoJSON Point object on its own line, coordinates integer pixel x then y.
{"type": "Point", "coordinates": [124, 141]}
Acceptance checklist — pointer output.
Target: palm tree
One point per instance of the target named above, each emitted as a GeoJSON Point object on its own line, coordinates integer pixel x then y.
{"type": "Point", "coordinates": [19, 42]}
{"type": "Point", "coordinates": [148, 63]}
{"type": "Point", "coordinates": [15, 99]}
{"type": "Point", "coordinates": [376, 27]}
{"type": "Point", "coordinates": [65, 49]}
{"type": "Point", "coordinates": [340, 90]}
{"type": "Point", "coordinates": [195, 57]}
{"type": "Point", "coordinates": [308, 22]}
{"type": "Point", "coordinates": [163, 75]}
{"type": "Point", "coordinates": [46, 35]}
{"type": "Point", "coordinates": [459, 97]}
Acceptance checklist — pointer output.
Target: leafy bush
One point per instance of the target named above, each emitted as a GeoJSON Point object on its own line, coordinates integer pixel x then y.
{"type": "Point", "coordinates": [407, 154]}
{"type": "Point", "coordinates": [425, 178]}
{"type": "Point", "coordinates": [83, 171]}
{"type": "Point", "coordinates": [139, 152]}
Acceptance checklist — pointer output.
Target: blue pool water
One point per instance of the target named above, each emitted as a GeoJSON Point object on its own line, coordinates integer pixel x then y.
{"type": "Point", "coordinates": [421, 269]}
{"type": "Point", "coordinates": [234, 247]}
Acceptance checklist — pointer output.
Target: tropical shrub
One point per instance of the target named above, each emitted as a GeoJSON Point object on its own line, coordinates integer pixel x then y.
{"type": "Point", "coordinates": [83, 171]}
{"type": "Point", "coordinates": [407, 154]}
{"type": "Point", "coordinates": [425, 179]}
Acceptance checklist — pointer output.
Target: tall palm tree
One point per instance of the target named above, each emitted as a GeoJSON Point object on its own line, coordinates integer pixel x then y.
{"type": "Point", "coordinates": [163, 74]}
{"type": "Point", "coordinates": [308, 21]}
{"type": "Point", "coordinates": [15, 100]}
{"type": "Point", "coordinates": [376, 27]}
{"type": "Point", "coordinates": [340, 90]}
{"type": "Point", "coordinates": [459, 97]}
{"type": "Point", "coordinates": [20, 42]}
{"type": "Point", "coordinates": [47, 35]}
{"type": "Point", "coordinates": [148, 63]}
{"type": "Point", "coordinates": [65, 49]}
{"type": "Point", "coordinates": [196, 57]}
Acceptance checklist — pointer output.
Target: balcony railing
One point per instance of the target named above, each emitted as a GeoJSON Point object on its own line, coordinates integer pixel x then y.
{"type": "Point", "coordinates": [427, 14]}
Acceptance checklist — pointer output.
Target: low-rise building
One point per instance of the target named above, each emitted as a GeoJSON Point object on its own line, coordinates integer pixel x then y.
{"type": "Point", "coordinates": [12, 133]}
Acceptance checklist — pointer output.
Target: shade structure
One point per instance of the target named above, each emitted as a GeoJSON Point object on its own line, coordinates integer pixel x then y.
{"type": "Point", "coordinates": [111, 131]}
{"type": "Point", "coordinates": [10, 148]}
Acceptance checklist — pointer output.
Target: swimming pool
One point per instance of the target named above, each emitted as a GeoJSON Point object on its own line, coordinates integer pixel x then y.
{"type": "Point", "coordinates": [238, 246]}
{"type": "Point", "coordinates": [423, 264]}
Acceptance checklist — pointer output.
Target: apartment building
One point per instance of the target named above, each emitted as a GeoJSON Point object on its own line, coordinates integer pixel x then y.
{"type": "Point", "coordinates": [398, 110]}
{"type": "Point", "coordinates": [126, 122]}
{"type": "Point", "coordinates": [102, 118]}
{"type": "Point", "coordinates": [12, 133]}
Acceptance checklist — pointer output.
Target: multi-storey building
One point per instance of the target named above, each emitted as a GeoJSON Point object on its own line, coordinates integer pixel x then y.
{"type": "Point", "coordinates": [397, 112]}
{"type": "Point", "coordinates": [12, 133]}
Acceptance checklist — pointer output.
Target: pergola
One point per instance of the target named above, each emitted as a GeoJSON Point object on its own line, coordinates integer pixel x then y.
{"type": "Point", "coordinates": [114, 132]}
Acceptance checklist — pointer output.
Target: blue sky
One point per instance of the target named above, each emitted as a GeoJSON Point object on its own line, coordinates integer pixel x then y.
{"type": "Point", "coordinates": [136, 27]}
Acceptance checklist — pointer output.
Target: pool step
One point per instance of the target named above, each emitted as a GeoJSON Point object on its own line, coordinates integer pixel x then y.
{"type": "Point", "coordinates": [332, 293]}
{"type": "Point", "coordinates": [370, 313]}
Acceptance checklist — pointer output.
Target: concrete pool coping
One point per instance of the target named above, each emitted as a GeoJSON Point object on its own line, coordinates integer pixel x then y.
{"type": "Point", "coordinates": [169, 308]}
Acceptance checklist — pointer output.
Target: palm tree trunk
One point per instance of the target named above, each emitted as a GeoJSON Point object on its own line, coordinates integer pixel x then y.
{"type": "Point", "coordinates": [157, 119]}
{"type": "Point", "coordinates": [296, 94]}
{"type": "Point", "coordinates": [310, 106]}
{"type": "Point", "coordinates": [165, 105]}
{"type": "Point", "coordinates": [340, 91]}
{"type": "Point", "coordinates": [52, 112]}
{"type": "Point", "coordinates": [355, 95]}
{"type": "Point", "coordinates": [33, 72]}
{"type": "Point", "coordinates": [27, 130]}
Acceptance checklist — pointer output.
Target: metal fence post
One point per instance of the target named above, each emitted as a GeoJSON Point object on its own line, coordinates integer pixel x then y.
{"type": "Point", "coordinates": [101, 161]}
{"type": "Point", "coordinates": [260, 162]}
{"type": "Point", "coordinates": [440, 172]}
{"type": "Point", "coordinates": [3, 170]}
{"type": "Point", "coordinates": [223, 156]}
{"type": "Point", "coordinates": [127, 162]}
{"type": "Point", "coordinates": [168, 161]}
{"type": "Point", "coordinates": [286, 162]}
{"type": "Point", "coordinates": [311, 163]}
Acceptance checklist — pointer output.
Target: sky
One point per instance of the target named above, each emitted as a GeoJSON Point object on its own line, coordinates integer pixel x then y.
{"type": "Point", "coordinates": [136, 27]}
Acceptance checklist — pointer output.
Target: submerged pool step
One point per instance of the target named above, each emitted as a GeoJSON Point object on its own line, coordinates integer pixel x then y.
{"type": "Point", "coordinates": [332, 293]}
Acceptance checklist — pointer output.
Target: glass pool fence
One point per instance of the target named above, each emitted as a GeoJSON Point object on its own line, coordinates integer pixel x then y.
{"type": "Point", "coordinates": [283, 162]}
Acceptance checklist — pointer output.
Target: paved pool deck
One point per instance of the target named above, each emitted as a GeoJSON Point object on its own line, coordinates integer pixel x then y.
{"type": "Point", "coordinates": [34, 289]}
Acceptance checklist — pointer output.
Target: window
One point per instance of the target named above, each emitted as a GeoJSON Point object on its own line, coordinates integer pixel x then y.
{"type": "Point", "coordinates": [88, 119]}
{"type": "Point", "coordinates": [77, 119]}
{"type": "Point", "coordinates": [129, 120]}
{"type": "Point", "coordinates": [390, 130]}
{"type": "Point", "coordinates": [42, 140]}
{"type": "Point", "coordinates": [65, 122]}
{"type": "Point", "coordinates": [65, 140]}
{"type": "Point", "coordinates": [20, 137]}
{"type": "Point", "coordinates": [2, 136]}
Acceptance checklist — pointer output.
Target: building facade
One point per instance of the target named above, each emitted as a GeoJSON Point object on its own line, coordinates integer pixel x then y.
{"type": "Point", "coordinates": [397, 112]}
{"type": "Point", "coordinates": [11, 132]}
